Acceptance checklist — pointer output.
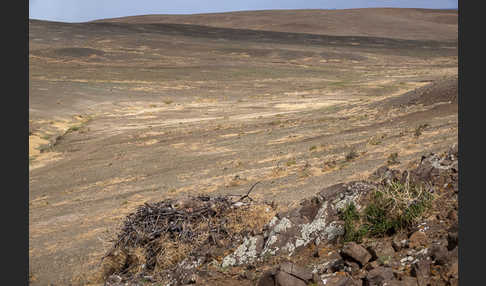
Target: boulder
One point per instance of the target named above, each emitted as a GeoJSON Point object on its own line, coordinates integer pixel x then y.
{"type": "Point", "coordinates": [297, 271]}
{"type": "Point", "coordinates": [421, 270]}
{"type": "Point", "coordinates": [440, 254]}
{"type": "Point", "coordinates": [417, 239]}
{"type": "Point", "coordinates": [356, 252]}
{"type": "Point", "coordinates": [267, 279]}
{"type": "Point", "coordinates": [340, 280]}
{"type": "Point", "coordinates": [379, 276]}
{"type": "Point", "coordinates": [284, 279]}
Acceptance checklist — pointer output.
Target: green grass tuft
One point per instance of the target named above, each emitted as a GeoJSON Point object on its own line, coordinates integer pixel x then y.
{"type": "Point", "coordinates": [392, 207]}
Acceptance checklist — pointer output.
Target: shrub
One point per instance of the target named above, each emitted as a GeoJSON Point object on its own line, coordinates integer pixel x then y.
{"type": "Point", "coordinates": [351, 155]}
{"type": "Point", "coordinates": [419, 129]}
{"type": "Point", "coordinates": [393, 159]}
{"type": "Point", "coordinates": [392, 207]}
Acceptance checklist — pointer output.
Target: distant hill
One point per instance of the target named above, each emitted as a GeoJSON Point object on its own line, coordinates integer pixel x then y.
{"type": "Point", "coordinates": [402, 23]}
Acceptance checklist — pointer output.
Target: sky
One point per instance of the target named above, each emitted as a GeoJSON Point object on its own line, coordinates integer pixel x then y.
{"type": "Point", "coordinates": [87, 10]}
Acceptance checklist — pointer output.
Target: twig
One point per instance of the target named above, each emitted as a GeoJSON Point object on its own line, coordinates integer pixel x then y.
{"type": "Point", "coordinates": [248, 193]}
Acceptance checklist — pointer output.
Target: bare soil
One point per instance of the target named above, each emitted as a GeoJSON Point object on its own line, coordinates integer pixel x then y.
{"type": "Point", "coordinates": [124, 112]}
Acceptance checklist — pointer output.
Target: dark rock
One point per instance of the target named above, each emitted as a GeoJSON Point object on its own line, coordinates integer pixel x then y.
{"type": "Point", "coordinates": [453, 270]}
{"type": "Point", "coordinates": [340, 280]}
{"type": "Point", "coordinates": [337, 265]}
{"type": "Point", "coordinates": [383, 251]}
{"type": "Point", "coordinates": [353, 267]}
{"type": "Point", "coordinates": [440, 254]}
{"type": "Point", "coordinates": [379, 276]}
{"type": "Point", "coordinates": [191, 279]}
{"type": "Point", "coordinates": [331, 191]}
{"type": "Point", "coordinates": [267, 279]}
{"type": "Point", "coordinates": [113, 280]}
{"type": "Point", "coordinates": [397, 242]}
{"type": "Point", "coordinates": [297, 271]}
{"type": "Point", "coordinates": [248, 275]}
{"type": "Point", "coordinates": [421, 270]}
{"type": "Point", "coordinates": [310, 208]}
{"type": "Point", "coordinates": [356, 252]}
{"type": "Point", "coordinates": [372, 265]}
{"type": "Point", "coordinates": [452, 240]}
{"type": "Point", "coordinates": [454, 282]}
{"type": "Point", "coordinates": [405, 281]}
{"type": "Point", "coordinates": [385, 174]}
{"type": "Point", "coordinates": [409, 281]}
{"type": "Point", "coordinates": [452, 215]}
{"type": "Point", "coordinates": [284, 279]}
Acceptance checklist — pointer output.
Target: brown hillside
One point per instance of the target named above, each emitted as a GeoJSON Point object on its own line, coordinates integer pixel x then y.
{"type": "Point", "coordinates": [412, 24]}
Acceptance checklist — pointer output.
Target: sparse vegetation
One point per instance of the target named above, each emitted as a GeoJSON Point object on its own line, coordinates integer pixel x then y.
{"type": "Point", "coordinates": [392, 207]}
{"type": "Point", "coordinates": [291, 162]}
{"type": "Point", "coordinates": [168, 101]}
{"type": "Point", "coordinates": [352, 154]}
{"type": "Point", "coordinates": [393, 159]}
{"type": "Point", "coordinates": [73, 128]}
{"type": "Point", "coordinates": [312, 148]}
{"type": "Point", "coordinates": [376, 140]}
{"type": "Point", "coordinates": [419, 129]}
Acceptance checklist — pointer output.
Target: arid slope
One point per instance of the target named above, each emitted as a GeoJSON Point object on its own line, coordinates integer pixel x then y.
{"type": "Point", "coordinates": [124, 113]}
{"type": "Point", "coordinates": [412, 24]}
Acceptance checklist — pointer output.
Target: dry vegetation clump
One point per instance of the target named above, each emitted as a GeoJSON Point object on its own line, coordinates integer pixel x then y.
{"type": "Point", "coordinates": [352, 154]}
{"type": "Point", "coordinates": [392, 206]}
{"type": "Point", "coordinates": [157, 237]}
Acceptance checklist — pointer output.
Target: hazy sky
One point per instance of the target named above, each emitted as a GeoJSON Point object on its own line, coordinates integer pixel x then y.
{"type": "Point", "coordinates": [86, 10]}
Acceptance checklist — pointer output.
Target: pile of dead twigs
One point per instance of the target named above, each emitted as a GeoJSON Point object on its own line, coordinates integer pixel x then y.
{"type": "Point", "coordinates": [160, 235]}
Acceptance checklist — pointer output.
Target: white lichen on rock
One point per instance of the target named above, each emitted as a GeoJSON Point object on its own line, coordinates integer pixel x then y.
{"type": "Point", "coordinates": [245, 253]}
{"type": "Point", "coordinates": [317, 225]}
{"type": "Point", "coordinates": [345, 200]}
{"type": "Point", "coordinates": [282, 226]}
{"type": "Point", "coordinates": [333, 230]}
{"type": "Point", "coordinates": [289, 247]}
{"type": "Point", "coordinates": [272, 222]}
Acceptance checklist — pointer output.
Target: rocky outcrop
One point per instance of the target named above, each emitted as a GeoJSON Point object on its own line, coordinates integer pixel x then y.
{"type": "Point", "coordinates": [422, 254]}
{"type": "Point", "coordinates": [315, 220]}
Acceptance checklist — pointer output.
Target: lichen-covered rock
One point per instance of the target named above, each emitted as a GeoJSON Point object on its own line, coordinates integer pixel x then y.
{"type": "Point", "coordinates": [247, 252]}
{"type": "Point", "coordinates": [316, 219]}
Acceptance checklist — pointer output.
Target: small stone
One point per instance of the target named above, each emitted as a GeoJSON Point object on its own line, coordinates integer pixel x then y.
{"type": "Point", "coordinates": [440, 254]}
{"type": "Point", "coordinates": [379, 276]}
{"type": "Point", "coordinates": [248, 275]}
{"type": "Point", "coordinates": [353, 267]}
{"type": "Point", "coordinates": [113, 280]}
{"type": "Point", "coordinates": [408, 281]}
{"type": "Point", "coordinates": [341, 281]}
{"type": "Point", "coordinates": [453, 270]}
{"type": "Point", "coordinates": [191, 279]}
{"type": "Point", "coordinates": [417, 239]}
{"type": "Point", "coordinates": [356, 252]}
{"type": "Point", "coordinates": [397, 245]}
{"type": "Point", "coordinates": [452, 215]}
{"type": "Point", "coordinates": [337, 265]}
{"type": "Point", "coordinates": [372, 265]}
{"type": "Point", "coordinates": [452, 240]}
